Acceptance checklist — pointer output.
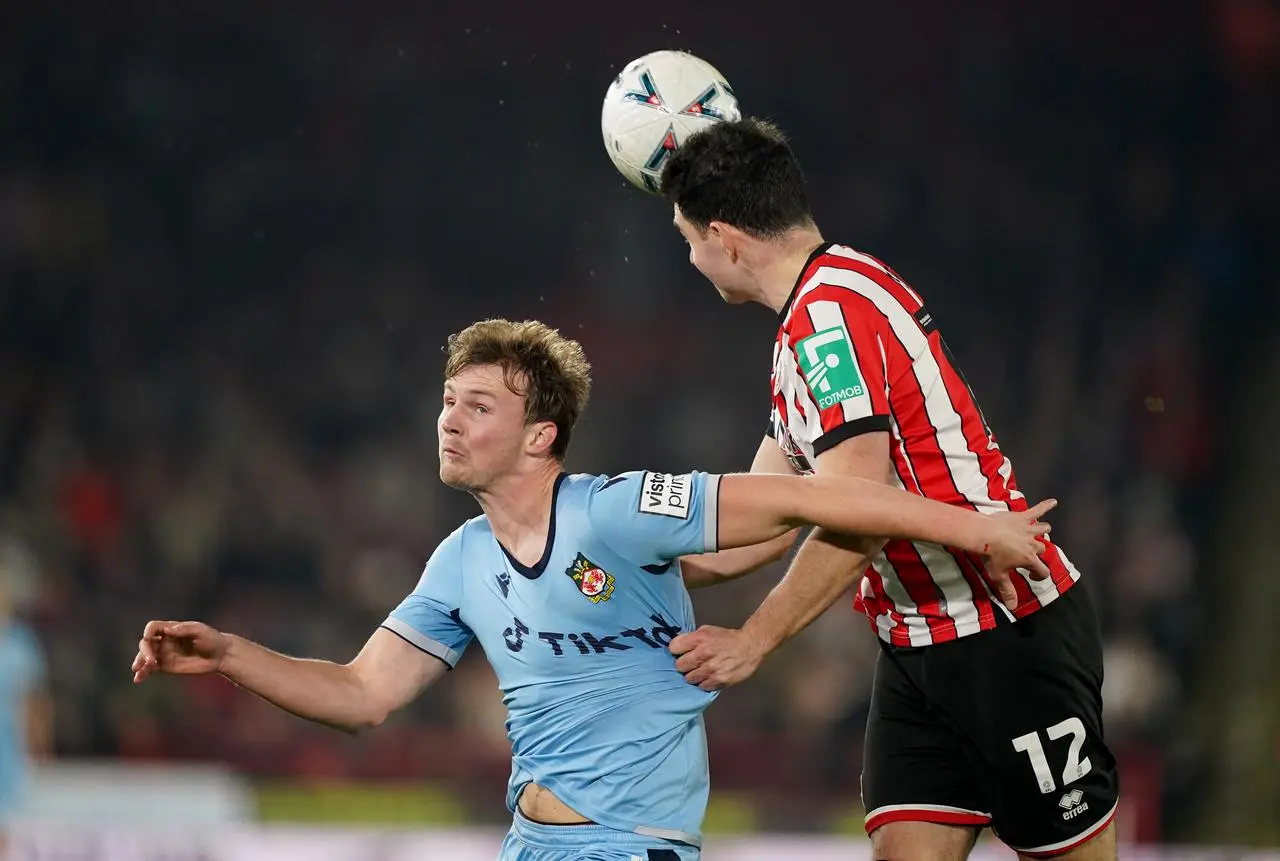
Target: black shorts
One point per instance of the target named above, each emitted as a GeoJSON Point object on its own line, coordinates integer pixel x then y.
{"type": "Point", "coordinates": [1002, 728]}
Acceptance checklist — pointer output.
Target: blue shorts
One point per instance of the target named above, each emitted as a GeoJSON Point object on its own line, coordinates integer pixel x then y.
{"type": "Point", "coordinates": [531, 841]}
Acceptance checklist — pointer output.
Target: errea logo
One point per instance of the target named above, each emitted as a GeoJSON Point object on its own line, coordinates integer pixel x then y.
{"type": "Point", "coordinates": [1073, 803]}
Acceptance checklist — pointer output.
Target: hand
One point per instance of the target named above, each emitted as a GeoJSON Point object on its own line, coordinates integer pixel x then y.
{"type": "Point", "coordinates": [1014, 540]}
{"type": "Point", "coordinates": [713, 658]}
{"type": "Point", "coordinates": [181, 648]}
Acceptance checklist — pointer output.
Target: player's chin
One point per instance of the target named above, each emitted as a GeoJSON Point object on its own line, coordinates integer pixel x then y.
{"type": "Point", "coordinates": [455, 476]}
{"type": "Point", "coordinates": [730, 297]}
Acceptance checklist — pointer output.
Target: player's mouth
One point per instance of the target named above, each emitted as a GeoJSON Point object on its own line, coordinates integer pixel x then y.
{"type": "Point", "coordinates": [451, 453]}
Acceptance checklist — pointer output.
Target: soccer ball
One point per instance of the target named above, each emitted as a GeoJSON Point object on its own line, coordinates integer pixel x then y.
{"type": "Point", "coordinates": [654, 105]}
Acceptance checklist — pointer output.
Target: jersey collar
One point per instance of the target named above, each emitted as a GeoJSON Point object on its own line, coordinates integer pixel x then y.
{"type": "Point", "coordinates": [800, 279]}
{"type": "Point", "coordinates": [535, 571]}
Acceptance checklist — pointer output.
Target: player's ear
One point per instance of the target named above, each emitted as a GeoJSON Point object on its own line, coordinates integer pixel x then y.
{"type": "Point", "coordinates": [727, 235]}
{"type": "Point", "coordinates": [541, 436]}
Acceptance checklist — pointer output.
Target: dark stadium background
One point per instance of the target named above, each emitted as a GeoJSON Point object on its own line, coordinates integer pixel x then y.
{"type": "Point", "coordinates": [233, 238]}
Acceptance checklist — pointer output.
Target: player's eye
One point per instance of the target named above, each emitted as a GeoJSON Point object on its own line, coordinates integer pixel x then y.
{"type": "Point", "coordinates": [482, 409]}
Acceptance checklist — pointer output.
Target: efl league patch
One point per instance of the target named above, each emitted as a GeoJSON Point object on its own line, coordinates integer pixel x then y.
{"type": "Point", "coordinates": [666, 494]}
{"type": "Point", "coordinates": [592, 580]}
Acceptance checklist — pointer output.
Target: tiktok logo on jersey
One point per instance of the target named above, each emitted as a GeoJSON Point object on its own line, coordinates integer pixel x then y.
{"type": "Point", "coordinates": [656, 636]}
{"type": "Point", "coordinates": [515, 635]}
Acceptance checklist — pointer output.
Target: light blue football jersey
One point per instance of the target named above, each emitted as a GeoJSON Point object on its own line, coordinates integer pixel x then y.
{"type": "Point", "coordinates": [21, 674]}
{"type": "Point", "coordinates": [597, 711]}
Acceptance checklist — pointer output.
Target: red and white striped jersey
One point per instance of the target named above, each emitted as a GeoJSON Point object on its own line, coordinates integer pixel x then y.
{"type": "Point", "coordinates": [857, 353]}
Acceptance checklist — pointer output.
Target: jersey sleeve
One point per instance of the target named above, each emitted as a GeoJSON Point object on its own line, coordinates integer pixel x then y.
{"type": "Point", "coordinates": [430, 617]}
{"type": "Point", "coordinates": [653, 517]}
{"type": "Point", "coordinates": [840, 345]}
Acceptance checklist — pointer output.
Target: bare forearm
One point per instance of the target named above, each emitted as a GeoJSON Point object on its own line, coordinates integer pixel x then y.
{"type": "Point", "coordinates": [826, 565]}
{"type": "Point", "coordinates": [862, 507]}
{"type": "Point", "coordinates": [710, 569]}
{"type": "Point", "coordinates": [319, 691]}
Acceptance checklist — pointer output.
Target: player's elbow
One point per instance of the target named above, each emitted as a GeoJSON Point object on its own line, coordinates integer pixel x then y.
{"type": "Point", "coordinates": [362, 719]}
{"type": "Point", "coordinates": [375, 717]}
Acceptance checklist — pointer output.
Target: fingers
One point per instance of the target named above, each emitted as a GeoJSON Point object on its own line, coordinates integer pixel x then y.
{"type": "Point", "coordinates": [689, 661]}
{"type": "Point", "coordinates": [1040, 509]}
{"type": "Point", "coordinates": [1038, 570]}
{"type": "Point", "coordinates": [182, 629]}
{"type": "Point", "coordinates": [1007, 594]}
{"type": "Point", "coordinates": [146, 661]}
{"type": "Point", "coordinates": [154, 629]}
{"type": "Point", "coordinates": [698, 676]}
{"type": "Point", "coordinates": [146, 651]}
{"type": "Point", "coordinates": [683, 643]}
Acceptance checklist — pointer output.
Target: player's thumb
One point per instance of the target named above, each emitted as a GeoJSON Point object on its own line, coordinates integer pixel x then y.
{"type": "Point", "coordinates": [183, 629]}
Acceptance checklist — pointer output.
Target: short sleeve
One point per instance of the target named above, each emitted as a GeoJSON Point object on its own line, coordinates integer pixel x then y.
{"type": "Point", "coordinates": [840, 348]}
{"type": "Point", "coordinates": [653, 517]}
{"type": "Point", "coordinates": [430, 617]}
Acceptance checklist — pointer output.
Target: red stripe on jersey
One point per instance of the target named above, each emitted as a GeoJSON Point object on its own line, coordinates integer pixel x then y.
{"type": "Point", "coordinates": [975, 574]}
{"type": "Point", "coordinates": [956, 461]}
{"type": "Point", "coordinates": [990, 459]}
{"type": "Point", "coordinates": [917, 580]}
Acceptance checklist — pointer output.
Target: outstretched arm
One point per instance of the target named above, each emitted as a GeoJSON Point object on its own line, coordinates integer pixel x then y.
{"type": "Point", "coordinates": [828, 563]}
{"type": "Point", "coordinates": [386, 675]}
{"type": "Point", "coordinates": [710, 569]}
{"type": "Point", "coordinates": [760, 508]}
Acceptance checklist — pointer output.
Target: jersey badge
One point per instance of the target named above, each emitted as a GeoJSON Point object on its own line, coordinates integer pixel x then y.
{"type": "Point", "coordinates": [592, 580]}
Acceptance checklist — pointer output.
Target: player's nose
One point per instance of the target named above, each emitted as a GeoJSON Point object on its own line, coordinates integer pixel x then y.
{"type": "Point", "coordinates": [448, 424]}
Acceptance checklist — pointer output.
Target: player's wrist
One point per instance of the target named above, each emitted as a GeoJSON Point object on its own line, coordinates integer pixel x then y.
{"type": "Point", "coordinates": [230, 655]}
{"type": "Point", "coordinates": [978, 533]}
{"type": "Point", "coordinates": [759, 639]}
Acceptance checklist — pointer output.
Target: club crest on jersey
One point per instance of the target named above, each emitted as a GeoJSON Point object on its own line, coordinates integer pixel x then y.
{"type": "Point", "coordinates": [828, 365]}
{"type": "Point", "coordinates": [592, 580]}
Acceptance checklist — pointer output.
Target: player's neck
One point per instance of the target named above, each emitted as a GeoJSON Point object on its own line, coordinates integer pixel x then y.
{"type": "Point", "coordinates": [777, 276]}
{"type": "Point", "coordinates": [519, 510]}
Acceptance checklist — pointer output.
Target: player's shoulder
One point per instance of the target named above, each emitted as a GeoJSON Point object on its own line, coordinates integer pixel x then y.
{"type": "Point", "coordinates": [848, 276]}
{"type": "Point", "coordinates": [468, 535]}
{"type": "Point", "coordinates": [620, 484]}
{"type": "Point", "coordinates": [589, 491]}
{"type": "Point", "coordinates": [641, 491]}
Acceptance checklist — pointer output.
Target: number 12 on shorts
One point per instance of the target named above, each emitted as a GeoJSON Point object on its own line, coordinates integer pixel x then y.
{"type": "Point", "coordinates": [1075, 768]}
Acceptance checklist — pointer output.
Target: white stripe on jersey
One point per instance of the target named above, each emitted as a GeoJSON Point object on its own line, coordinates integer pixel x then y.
{"type": "Point", "coordinates": [793, 387]}
{"type": "Point", "coordinates": [917, 625]}
{"type": "Point", "coordinates": [964, 466]}
{"type": "Point", "coordinates": [848, 253]}
{"type": "Point", "coordinates": [966, 470]}
{"type": "Point", "coordinates": [957, 594]}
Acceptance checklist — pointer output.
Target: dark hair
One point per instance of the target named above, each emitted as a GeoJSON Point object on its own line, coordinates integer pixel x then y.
{"type": "Point", "coordinates": [742, 173]}
{"type": "Point", "coordinates": [548, 370]}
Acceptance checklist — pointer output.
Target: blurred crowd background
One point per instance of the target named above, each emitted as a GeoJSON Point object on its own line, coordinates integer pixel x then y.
{"type": "Point", "coordinates": [233, 240]}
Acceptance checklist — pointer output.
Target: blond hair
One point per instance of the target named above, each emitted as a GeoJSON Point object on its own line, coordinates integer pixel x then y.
{"type": "Point", "coordinates": [548, 370]}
